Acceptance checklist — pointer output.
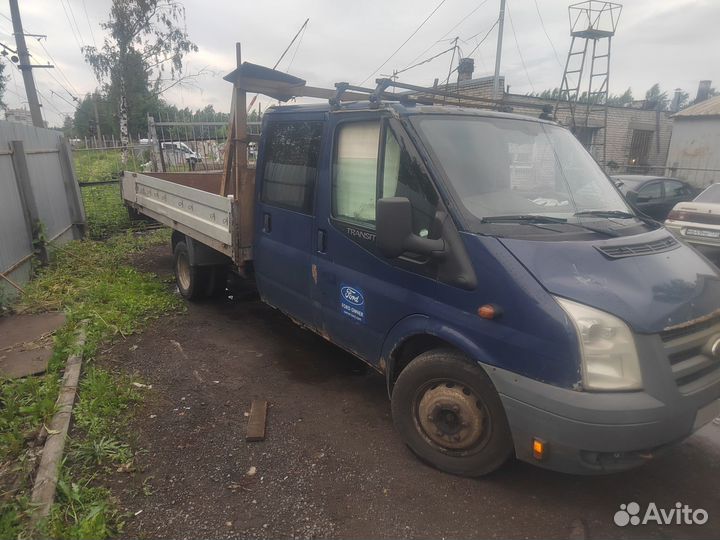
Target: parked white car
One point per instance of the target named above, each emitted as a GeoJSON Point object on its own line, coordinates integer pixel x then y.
{"type": "Point", "coordinates": [698, 221]}
{"type": "Point", "coordinates": [183, 150]}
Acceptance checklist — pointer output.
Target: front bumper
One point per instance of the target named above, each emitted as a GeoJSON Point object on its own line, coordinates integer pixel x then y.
{"type": "Point", "coordinates": [597, 433]}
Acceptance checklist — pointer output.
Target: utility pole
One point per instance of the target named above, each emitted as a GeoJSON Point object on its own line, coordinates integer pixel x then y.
{"type": "Point", "coordinates": [25, 66]}
{"type": "Point", "coordinates": [496, 79]}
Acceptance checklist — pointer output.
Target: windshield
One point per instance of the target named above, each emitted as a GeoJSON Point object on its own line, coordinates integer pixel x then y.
{"type": "Point", "coordinates": [710, 195]}
{"type": "Point", "coordinates": [509, 167]}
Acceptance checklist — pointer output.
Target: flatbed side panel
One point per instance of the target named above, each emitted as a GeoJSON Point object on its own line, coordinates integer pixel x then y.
{"type": "Point", "coordinates": [207, 217]}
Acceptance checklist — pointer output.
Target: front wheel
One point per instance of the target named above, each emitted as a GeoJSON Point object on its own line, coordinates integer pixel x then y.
{"type": "Point", "coordinates": [449, 413]}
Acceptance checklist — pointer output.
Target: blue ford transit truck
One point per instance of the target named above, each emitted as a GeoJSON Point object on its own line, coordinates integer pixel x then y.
{"type": "Point", "coordinates": [482, 262]}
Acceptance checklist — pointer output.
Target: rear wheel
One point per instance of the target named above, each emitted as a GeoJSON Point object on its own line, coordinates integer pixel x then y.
{"type": "Point", "coordinates": [191, 280]}
{"type": "Point", "coordinates": [449, 413]}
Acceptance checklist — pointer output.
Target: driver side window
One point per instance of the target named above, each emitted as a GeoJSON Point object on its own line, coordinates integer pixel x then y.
{"type": "Point", "coordinates": [358, 180]}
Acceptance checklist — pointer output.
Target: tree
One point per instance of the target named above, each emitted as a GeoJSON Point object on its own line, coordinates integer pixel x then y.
{"type": "Point", "coordinates": [3, 82]}
{"type": "Point", "coordinates": [146, 40]}
{"type": "Point", "coordinates": [623, 99]}
{"type": "Point", "coordinates": [655, 99]}
{"type": "Point", "coordinates": [68, 128]}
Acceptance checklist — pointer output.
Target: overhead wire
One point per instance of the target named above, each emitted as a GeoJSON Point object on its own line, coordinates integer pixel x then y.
{"type": "Point", "coordinates": [57, 66]}
{"type": "Point", "coordinates": [424, 61]}
{"type": "Point", "coordinates": [77, 26]}
{"type": "Point", "coordinates": [71, 26]}
{"type": "Point", "coordinates": [87, 18]}
{"type": "Point", "coordinates": [542, 24]}
{"type": "Point", "coordinates": [448, 32]}
{"type": "Point", "coordinates": [517, 46]}
{"type": "Point", "coordinates": [487, 34]}
{"type": "Point", "coordinates": [404, 42]}
{"type": "Point", "coordinates": [297, 48]}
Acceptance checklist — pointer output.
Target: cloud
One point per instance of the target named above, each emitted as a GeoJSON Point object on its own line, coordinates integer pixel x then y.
{"type": "Point", "coordinates": [671, 42]}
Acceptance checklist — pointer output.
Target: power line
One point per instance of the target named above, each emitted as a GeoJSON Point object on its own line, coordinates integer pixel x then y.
{"type": "Point", "coordinates": [517, 45]}
{"type": "Point", "coordinates": [542, 24]}
{"type": "Point", "coordinates": [72, 13]}
{"type": "Point", "coordinates": [71, 26]}
{"type": "Point", "coordinates": [448, 32]}
{"type": "Point", "coordinates": [297, 48]}
{"type": "Point", "coordinates": [487, 34]}
{"type": "Point", "coordinates": [404, 42]}
{"type": "Point", "coordinates": [57, 65]}
{"type": "Point", "coordinates": [87, 18]}
{"type": "Point", "coordinates": [424, 61]}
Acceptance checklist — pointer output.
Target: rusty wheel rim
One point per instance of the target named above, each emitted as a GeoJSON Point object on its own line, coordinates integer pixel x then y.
{"type": "Point", "coordinates": [450, 416]}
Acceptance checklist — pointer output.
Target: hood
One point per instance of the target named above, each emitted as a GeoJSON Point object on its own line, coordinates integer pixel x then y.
{"type": "Point", "coordinates": [650, 292]}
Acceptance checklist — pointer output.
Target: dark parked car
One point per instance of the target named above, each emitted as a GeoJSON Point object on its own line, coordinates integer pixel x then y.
{"type": "Point", "coordinates": [654, 196]}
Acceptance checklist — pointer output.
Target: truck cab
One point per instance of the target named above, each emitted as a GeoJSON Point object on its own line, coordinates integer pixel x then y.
{"type": "Point", "coordinates": [485, 264]}
{"type": "Point", "coordinates": [482, 261]}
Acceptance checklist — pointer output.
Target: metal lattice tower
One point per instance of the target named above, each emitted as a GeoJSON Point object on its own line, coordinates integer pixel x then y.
{"type": "Point", "coordinates": [592, 26]}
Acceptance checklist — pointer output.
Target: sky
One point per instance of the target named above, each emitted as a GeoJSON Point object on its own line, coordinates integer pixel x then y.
{"type": "Point", "coordinates": [672, 42]}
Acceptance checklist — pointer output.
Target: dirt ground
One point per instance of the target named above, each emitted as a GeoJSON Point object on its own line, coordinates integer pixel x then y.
{"type": "Point", "coordinates": [332, 464]}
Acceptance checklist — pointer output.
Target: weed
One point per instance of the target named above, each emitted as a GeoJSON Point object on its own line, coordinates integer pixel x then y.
{"type": "Point", "coordinates": [82, 511]}
{"type": "Point", "coordinates": [93, 283]}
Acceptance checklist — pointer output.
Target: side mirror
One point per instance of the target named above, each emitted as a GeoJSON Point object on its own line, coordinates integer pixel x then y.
{"type": "Point", "coordinates": [394, 234]}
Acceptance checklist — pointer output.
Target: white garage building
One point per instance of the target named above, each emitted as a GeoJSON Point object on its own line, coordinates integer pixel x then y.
{"type": "Point", "coordinates": [694, 153]}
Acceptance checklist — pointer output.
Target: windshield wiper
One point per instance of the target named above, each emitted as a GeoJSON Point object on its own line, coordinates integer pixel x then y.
{"type": "Point", "coordinates": [606, 214]}
{"type": "Point", "coordinates": [523, 218]}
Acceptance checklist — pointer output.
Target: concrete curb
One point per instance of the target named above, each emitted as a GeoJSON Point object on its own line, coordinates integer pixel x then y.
{"type": "Point", "coordinates": [43, 492]}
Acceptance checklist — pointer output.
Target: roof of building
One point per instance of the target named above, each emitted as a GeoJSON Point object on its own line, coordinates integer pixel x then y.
{"type": "Point", "coordinates": [709, 107]}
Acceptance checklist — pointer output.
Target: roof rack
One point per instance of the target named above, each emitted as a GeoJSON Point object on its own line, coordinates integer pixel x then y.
{"type": "Point", "coordinates": [283, 87]}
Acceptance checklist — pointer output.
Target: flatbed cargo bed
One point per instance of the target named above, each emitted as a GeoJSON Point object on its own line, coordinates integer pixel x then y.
{"type": "Point", "coordinates": [186, 202]}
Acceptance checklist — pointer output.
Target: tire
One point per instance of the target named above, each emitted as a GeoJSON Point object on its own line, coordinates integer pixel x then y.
{"type": "Point", "coordinates": [191, 280]}
{"type": "Point", "coordinates": [450, 415]}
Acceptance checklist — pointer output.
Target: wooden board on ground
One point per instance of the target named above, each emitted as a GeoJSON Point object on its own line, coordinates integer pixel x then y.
{"type": "Point", "coordinates": [26, 343]}
{"type": "Point", "coordinates": [256, 422]}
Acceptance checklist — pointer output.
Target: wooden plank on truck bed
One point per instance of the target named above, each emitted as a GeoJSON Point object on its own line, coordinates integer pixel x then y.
{"type": "Point", "coordinates": [256, 422]}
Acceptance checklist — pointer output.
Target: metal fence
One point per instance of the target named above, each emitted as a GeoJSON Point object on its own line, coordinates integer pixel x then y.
{"type": "Point", "coordinates": [98, 174]}
{"type": "Point", "coordinates": [683, 173]}
{"type": "Point", "coordinates": [39, 197]}
{"type": "Point", "coordinates": [189, 145]}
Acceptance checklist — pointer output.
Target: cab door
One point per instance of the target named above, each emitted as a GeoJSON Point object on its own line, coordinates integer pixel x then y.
{"type": "Point", "coordinates": [285, 213]}
{"type": "Point", "coordinates": [362, 294]}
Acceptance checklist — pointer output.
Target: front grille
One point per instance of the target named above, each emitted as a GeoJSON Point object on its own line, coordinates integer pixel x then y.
{"type": "Point", "coordinates": [687, 349]}
{"type": "Point", "coordinates": [674, 333]}
{"type": "Point", "coordinates": [633, 250]}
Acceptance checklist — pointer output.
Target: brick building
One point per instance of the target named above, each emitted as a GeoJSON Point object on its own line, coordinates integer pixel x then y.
{"type": "Point", "coordinates": [637, 139]}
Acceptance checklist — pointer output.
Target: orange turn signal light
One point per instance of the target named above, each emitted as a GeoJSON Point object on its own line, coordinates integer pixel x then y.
{"type": "Point", "coordinates": [489, 311]}
{"type": "Point", "coordinates": [539, 446]}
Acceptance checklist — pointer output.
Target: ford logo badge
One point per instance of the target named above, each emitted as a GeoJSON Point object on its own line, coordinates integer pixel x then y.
{"type": "Point", "coordinates": [353, 296]}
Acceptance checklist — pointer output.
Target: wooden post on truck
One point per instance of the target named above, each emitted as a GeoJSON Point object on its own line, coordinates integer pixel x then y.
{"type": "Point", "coordinates": [244, 177]}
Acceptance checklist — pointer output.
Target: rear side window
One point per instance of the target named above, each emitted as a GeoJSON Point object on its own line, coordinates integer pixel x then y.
{"type": "Point", "coordinates": [710, 195]}
{"type": "Point", "coordinates": [675, 189]}
{"type": "Point", "coordinates": [290, 170]}
{"type": "Point", "coordinates": [650, 192]}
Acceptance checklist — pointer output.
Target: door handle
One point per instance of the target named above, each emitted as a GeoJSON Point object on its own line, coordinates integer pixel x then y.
{"type": "Point", "coordinates": [321, 241]}
{"type": "Point", "coordinates": [267, 223]}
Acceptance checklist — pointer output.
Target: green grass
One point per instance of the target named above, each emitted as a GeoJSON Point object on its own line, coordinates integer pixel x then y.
{"type": "Point", "coordinates": [101, 165]}
{"type": "Point", "coordinates": [104, 209]}
{"type": "Point", "coordinates": [92, 282]}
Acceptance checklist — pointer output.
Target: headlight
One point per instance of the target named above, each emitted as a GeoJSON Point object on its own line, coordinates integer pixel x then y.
{"type": "Point", "coordinates": [608, 352]}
